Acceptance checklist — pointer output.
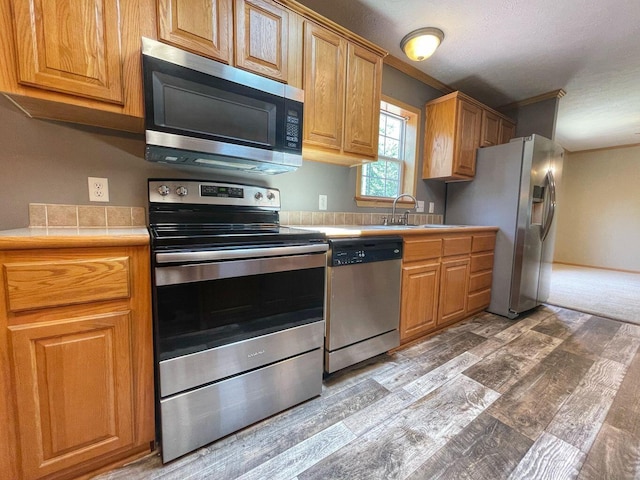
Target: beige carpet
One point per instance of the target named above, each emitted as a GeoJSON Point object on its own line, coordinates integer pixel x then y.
{"type": "Point", "coordinates": [605, 293]}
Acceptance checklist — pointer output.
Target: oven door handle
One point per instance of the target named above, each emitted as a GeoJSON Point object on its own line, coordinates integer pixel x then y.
{"type": "Point", "coordinates": [215, 255]}
{"type": "Point", "coordinates": [201, 272]}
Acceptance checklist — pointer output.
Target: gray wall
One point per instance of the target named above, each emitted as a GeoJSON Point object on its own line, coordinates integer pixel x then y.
{"type": "Point", "coordinates": [49, 162]}
{"type": "Point", "coordinates": [539, 117]}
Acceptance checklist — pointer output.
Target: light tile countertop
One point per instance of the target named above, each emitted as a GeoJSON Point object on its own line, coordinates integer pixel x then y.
{"type": "Point", "coordinates": [38, 237]}
{"type": "Point", "coordinates": [336, 231]}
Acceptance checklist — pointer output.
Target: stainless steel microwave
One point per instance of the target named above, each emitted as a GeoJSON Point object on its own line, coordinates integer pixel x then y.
{"type": "Point", "coordinates": [203, 113]}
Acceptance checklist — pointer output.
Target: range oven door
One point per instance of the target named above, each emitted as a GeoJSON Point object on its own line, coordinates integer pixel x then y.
{"type": "Point", "coordinates": [239, 337]}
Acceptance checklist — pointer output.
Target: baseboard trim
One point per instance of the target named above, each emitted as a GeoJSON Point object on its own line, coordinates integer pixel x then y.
{"type": "Point", "coordinates": [598, 268]}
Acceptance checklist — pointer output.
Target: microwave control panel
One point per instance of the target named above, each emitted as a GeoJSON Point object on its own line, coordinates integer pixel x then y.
{"type": "Point", "coordinates": [293, 129]}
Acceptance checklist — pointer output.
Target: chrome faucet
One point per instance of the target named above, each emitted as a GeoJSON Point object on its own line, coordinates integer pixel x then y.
{"type": "Point", "coordinates": [405, 218]}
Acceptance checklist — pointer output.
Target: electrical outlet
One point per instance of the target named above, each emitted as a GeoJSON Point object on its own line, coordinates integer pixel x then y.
{"type": "Point", "coordinates": [432, 207]}
{"type": "Point", "coordinates": [420, 206]}
{"type": "Point", "coordinates": [98, 189]}
{"type": "Point", "coordinates": [322, 202]}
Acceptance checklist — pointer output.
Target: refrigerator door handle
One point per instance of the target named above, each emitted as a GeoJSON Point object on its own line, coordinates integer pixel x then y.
{"type": "Point", "coordinates": [550, 183]}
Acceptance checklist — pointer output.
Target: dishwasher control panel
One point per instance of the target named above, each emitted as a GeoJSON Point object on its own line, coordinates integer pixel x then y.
{"type": "Point", "coordinates": [353, 251]}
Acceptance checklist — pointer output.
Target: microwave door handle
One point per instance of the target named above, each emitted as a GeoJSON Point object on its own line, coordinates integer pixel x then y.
{"type": "Point", "coordinates": [550, 183]}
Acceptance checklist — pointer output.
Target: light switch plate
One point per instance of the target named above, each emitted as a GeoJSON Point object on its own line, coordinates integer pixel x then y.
{"type": "Point", "coordinates": [432, 207]}
{"type": "Point", "coordinates": [420, 206]}
{"type": "Point", "coordinates": [322, 202]}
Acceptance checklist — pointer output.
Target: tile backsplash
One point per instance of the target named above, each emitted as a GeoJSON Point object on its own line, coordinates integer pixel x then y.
{"type": "Point", "coordinates": [349, 218]}
{"type": "Point", "coordinates": [92, 216]}
{"type": "Point", "coordinates": [85, 216]}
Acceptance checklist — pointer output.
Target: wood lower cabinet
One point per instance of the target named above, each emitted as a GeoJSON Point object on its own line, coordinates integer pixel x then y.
{"type": "Point", "coordinates": [445, 278]}
{"type": "Point", "coordinates": [78, 377]}
{"type": "Point", "coordinates": [457, 125]}
{"type": "Point", "coordinates": [453, 291]}
{"type": "Point", "coordinates": [420, 284]}
{"type": "Point", "coordinates": [480, 272]}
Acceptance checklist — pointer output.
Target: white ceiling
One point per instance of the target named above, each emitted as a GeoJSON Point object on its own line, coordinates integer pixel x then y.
{"type": "Point", "coordinates": [503, 51]}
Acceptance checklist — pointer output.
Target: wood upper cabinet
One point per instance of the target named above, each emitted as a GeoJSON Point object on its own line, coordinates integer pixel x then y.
{"type": "Point", "coordinates": [324, 73]}
{"type": "Point", "coordinates": [452, 134]}
{"type": "Point", "coordinates": [490, 129]}
{"type": "Point", "coordinates": [342, 83]}
{"type": "Point", "coordinates": [507, 131]}
{"type": "Point", "coordinates": [456, 127]}
{"type": "Point", "coordinates": [495, 129]}
{"type": "Point", "coordinates": [75, 60]}
{"type": "Point", "coordinates": [469, 118]}
{"type": "Point", "coordinates": [54, 53]}
{"type": "Point", "coordinates": [362, 106]}
{"type": "Point", "coordinates": [261, 42]}
{"type": "Point", "coordinates": [249, 34]}
{"type": "Point", "coordinates": [204, 27]}
{"type": "Point", "coordinates": [78, 373]}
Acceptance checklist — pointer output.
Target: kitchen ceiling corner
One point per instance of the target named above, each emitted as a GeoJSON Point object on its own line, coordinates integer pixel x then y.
{"type": "Point", "coordinates": [502, 52]}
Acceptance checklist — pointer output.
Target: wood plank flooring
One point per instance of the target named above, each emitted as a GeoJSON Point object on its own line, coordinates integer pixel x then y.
{"type": "Point", "coordinates": [553, 395]}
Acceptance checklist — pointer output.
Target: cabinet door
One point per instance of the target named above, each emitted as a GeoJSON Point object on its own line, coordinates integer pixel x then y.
{"type": "Point", "coordinates": [362, 111]}
{"type": "Point", "coordinates": [453, 290]}
{"type": "Point", "coordinates": [74, 394]}
{"type": "Point", "coordinates": [439, 139]}
{"type": "Point", "coordinates": [204, 27]}
{"type": "Point", "coordinates": [324, 80]}
{"type": "Point", "coordinates": [261, 43]}
{"type": "Point", "coordinates": [490, 129]}
{"type": "Point", "coordinates": [469, 117]}
{"type": "Point", "coordinates": [507, 131]}
{"type": "Point", "coordinates": [419, 306]}
{"type": "Point", "coordinates": [70, 46]}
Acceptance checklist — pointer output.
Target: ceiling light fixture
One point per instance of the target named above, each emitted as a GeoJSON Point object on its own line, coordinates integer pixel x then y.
{"type": "Point", "coordinates": [420, 44]}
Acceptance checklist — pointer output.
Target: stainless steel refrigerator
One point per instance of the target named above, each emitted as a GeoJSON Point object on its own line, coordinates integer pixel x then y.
{"type": "Point", "coordinates": [515, 190]}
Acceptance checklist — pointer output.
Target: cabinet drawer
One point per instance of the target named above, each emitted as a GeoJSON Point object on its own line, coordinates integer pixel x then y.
{"type": "Point", "coordinates": [480, 262]}
{"type": "Point", "coordinates": [482, 243]}
{"type": "Point", "coordinates": [456, 246]}
{"type": "Point", "coordinates": [415, 250]}
{"type": "Point", "coordinates": [480, 281]}
{"type": "Point", "coordinates": [59, 282]}
{"type": "Point", "coordinates": [478, 301]}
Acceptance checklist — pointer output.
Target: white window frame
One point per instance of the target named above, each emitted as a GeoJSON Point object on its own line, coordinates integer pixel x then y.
{"type": "Point", "coordinates": [409, 155]}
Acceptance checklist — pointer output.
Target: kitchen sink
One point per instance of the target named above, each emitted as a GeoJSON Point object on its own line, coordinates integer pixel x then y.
{"type": "Point", "coordinates": [404, 227]}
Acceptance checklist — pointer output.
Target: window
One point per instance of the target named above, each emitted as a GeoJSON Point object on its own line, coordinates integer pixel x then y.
{"type": "Point", "coordinates": [384, 177]}
{"type": "Point", "coordinates": [394, 172]}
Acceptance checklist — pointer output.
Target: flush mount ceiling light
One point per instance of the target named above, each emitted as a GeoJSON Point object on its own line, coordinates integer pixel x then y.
{"type": "Point", "coordinates": [420, 44]}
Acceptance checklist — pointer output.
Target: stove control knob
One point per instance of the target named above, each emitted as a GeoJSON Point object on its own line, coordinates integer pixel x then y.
{"type": "Point", "coordinates": [258, 196]}
{"type": "Point", "coordinates": [164, 190]}
{"type": "Point", "coordinates": [271, 195]}
{"type": "Point", "coordinates": [182, 191]}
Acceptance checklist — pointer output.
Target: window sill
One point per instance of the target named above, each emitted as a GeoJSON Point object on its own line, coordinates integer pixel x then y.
{"type": "Point", "coordinates": [383, 203]}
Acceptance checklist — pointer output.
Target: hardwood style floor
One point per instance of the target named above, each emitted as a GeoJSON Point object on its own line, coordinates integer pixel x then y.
{"type": "Point", "coordinates": [553, 395]}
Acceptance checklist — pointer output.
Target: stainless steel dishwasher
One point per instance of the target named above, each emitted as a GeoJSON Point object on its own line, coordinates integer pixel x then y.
{"type": "Point", "coordinates": [363, 299]}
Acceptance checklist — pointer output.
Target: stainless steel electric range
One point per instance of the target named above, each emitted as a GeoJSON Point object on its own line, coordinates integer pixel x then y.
{"type": "Point", "coordinates": [238, 309]}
